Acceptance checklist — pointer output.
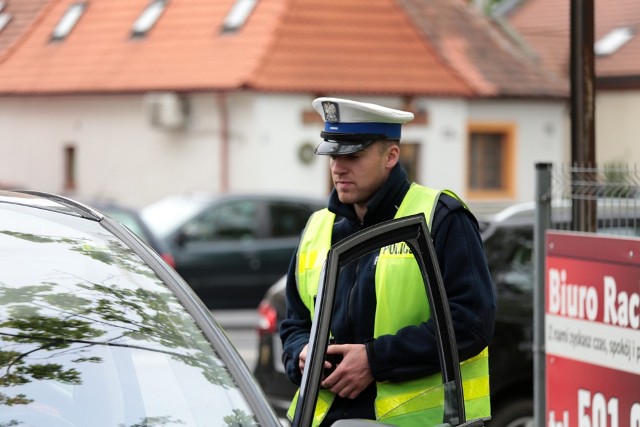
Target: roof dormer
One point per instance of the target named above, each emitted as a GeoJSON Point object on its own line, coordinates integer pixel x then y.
{"type": "Point", "coordinates": [238, 15]}
{"type": "Point", "coordinates": [148, 18]}
{"type": "Point", "coordinates": [68, 21]}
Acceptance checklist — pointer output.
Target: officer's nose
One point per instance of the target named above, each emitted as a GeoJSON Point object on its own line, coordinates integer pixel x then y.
{"type": "Point", "coordinates": [338, 165]}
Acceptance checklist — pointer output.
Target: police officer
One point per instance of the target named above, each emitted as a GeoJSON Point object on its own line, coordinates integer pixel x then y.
{"type": "Point", "coordinates": [383, 334]}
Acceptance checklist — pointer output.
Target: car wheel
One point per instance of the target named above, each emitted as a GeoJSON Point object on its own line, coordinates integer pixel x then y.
{"type": "Point", "coordinates": [513, 413]}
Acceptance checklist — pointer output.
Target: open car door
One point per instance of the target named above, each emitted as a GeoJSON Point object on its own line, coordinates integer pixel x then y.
{"type": "Point", "coordinates": [414, 232]}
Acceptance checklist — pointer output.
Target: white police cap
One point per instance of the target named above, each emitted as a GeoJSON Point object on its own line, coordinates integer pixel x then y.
{"type": "Point", "coordinates": [351, 126]}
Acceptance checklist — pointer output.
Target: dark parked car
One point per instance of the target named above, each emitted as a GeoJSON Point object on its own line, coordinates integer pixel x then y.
{"type": "Point", "coordinates": [508, 241]}
{"type": "Point", "coordinates": [97, 330]}
{"type": "Point", "coordinates": [230, 248]}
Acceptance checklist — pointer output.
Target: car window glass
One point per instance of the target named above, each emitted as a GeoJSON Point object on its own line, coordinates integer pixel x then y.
{"type": "Point", "coordinates": [233, 220]}
{"type": "Point", "coordinates": [92, 337]}
{"type": "Point", "coordinates": [288, 219]}
{"type": "Point", "coordinates": [166, 215]}
{"type": "Point", "coordinates": [509, 252]}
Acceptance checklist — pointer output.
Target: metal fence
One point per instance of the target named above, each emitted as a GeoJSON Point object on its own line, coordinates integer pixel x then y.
{"type": "Point", "coordinates": [604, 200]}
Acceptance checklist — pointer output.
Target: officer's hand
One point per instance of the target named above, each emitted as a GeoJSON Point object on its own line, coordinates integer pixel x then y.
{"type": "Point", "coordinates": [302, 360]}
{"type": "Point", "coordinates": [353, 374]}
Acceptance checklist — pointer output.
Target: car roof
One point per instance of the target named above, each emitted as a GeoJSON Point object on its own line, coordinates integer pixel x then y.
{"type": "Point", "coordinates": [51, 202]}
{"type": "Point", "coordinates": [165, 214]}
{"type": "Point", "coordinates": [523, 214]}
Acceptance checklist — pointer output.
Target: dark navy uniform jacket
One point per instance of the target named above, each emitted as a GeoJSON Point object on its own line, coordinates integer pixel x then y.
{"type": "Point", "coordinates": [411, 352]}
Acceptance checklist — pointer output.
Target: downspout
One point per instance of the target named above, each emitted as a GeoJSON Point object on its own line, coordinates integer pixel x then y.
{"type": "Point", "coordinates": [223, 113]}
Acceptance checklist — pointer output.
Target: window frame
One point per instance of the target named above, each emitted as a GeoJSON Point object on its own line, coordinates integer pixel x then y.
{"type": "Point", "coordinates": [507, 168]}
{"type": "Point", "coordinates": [70, 167]}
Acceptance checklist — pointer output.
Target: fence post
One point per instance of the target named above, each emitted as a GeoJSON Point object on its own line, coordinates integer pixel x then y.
{"type": "Point", "coordinates": [542, 223]}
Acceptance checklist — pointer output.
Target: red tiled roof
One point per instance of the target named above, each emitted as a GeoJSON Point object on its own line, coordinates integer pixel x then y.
{"type": "Point", "coordinates": [545, 25]}
{"type": "Point", "coordinates": [183, 51]}
{"type": "Point", "coordinates": [480, 50]}
{"type": "Point", "coordinates": [313, 46]}
{"type": "Point", "coordinates": [341, 46]}
{"type": "Point", "coordinates": [23, 13]}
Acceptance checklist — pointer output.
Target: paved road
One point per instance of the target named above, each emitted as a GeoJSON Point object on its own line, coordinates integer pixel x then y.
{"type": "Point", "coordinates": [240, 325]}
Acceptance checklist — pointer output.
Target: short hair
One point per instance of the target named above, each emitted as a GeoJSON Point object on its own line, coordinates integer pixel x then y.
{"type": "Point", "coordinates": [385, 143]}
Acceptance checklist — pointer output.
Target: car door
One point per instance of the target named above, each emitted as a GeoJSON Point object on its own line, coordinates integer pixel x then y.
{"type": "Point", "coordinates": [414, 232]}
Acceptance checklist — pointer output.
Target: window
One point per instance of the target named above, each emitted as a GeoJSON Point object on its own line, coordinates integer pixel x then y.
{"type": "Point", "coordinates": [5, 17]}
{"type": "Point", "coordinates": [68, 21]}
{"type": "Point", "coordinates": [4, 20]}
{"type": "Point", "coordinates": [490, 161]}
{"type": "Point", "coordinates": [509, 252]}
{"type": "Point", "coordinates": [288, 219]}
{"type": "Point", "coordinates": [613, 41]}
{"type": "Point", "coordinates": [235, 220]}
{"type": "Point", "coordinates": [69, 167]}
{"type": "Point", "coordinates": [238, 15]}
{"type": "Point", "coordinates": [148, 18]}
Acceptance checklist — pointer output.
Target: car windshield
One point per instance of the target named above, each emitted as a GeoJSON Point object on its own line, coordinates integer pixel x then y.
{"type": "Point", "coordinates": [90, 336]}
{"type": "Point", "coordinates": [166, 215]}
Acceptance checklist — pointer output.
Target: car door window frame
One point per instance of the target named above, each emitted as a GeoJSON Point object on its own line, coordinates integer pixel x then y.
{"type": "Point", "coordinates": [414, 232]}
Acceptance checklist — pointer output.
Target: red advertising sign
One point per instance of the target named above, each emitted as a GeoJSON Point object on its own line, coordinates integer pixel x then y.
{"type": "Point", "coordinates": [592, 330]}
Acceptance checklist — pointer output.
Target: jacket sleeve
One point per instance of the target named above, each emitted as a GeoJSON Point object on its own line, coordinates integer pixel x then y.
{"type": "Point", "coordinates": [295, 329]}
{"type": "Point", "coordinates": [412, 352]}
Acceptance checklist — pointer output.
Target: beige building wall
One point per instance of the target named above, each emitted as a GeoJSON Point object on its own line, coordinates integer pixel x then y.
{"type": "Point", "coordinates": [617, 127]}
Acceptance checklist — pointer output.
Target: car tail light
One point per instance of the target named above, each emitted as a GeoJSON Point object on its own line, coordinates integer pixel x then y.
{"type": "Point", "coordinates": [267, 318]}
{"type": "Point", "coordinates": [168, 258]}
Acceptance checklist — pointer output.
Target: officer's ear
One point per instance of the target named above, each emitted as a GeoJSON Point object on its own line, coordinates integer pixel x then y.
{"type": "Point", "coordinates": [392, 153]}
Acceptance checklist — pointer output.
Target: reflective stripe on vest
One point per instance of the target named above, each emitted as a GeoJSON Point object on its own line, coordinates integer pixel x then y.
{"type": "Point", "coordinates": [312, 253]}
{"type": "Point", "coordinates": [404, 403]}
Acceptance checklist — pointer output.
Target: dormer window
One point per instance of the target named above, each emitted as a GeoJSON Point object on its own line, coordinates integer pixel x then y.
{"type": "Point", "coordinates": [613, 41]}
{"type": "Point", "coordinates": [238, 15]}
{"type": "Point", "coordinates": [148, 18]}
{"type": "Point", "coordinates": [5, 17]}
{"type": "Point", "coordinates": [68, 21]}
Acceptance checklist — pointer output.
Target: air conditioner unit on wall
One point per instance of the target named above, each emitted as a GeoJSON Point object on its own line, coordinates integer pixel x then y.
{"type": "Point", "coordinates": [167, 110]}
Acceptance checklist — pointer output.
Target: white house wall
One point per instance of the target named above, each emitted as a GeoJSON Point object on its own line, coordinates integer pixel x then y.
{"type": "Point", "coordinates": [617, 127]}
{"type": "Point", "coordinates": [121, 156]}
{"type": "Point", "coordinates": [267, 136]}
{"type": "Point", "coordinates": [443, 143]}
